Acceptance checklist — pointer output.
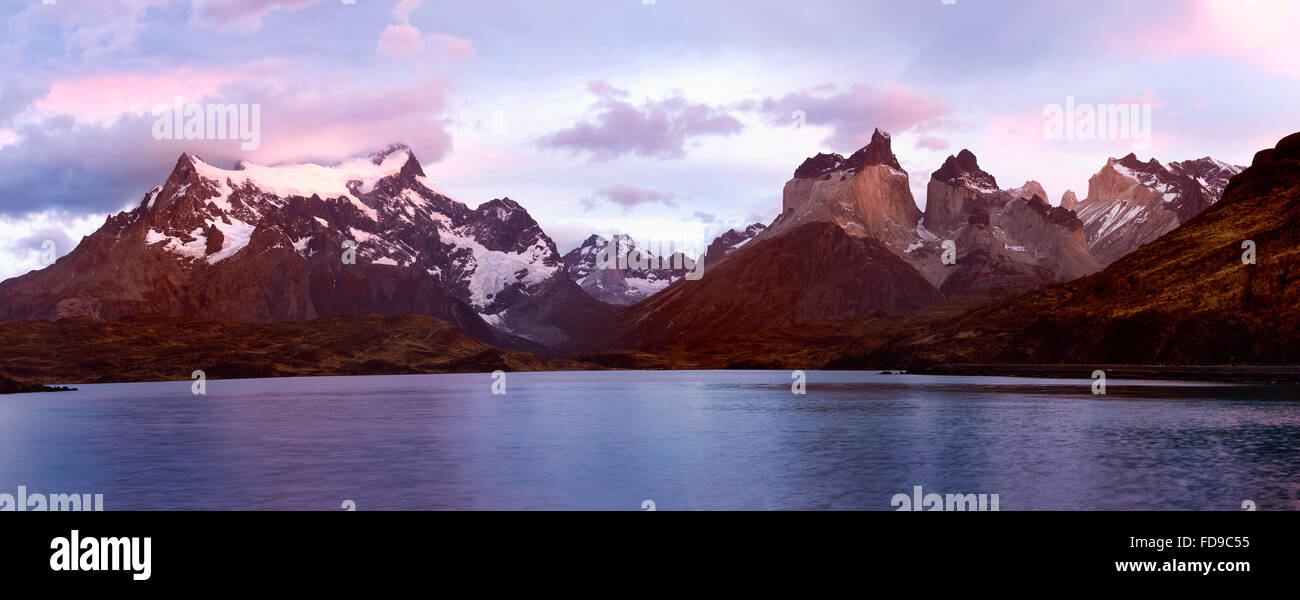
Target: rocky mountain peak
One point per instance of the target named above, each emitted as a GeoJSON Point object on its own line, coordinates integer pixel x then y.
{"type": "Point", "coordinates": [265, 244]}
{"type": "Point", "coordinates": [634, 274]}
{"type": "Point", "coordinates": [1131, 161]}
{"type": "Point", "coordinates": [877, 152]}
{"type": "Point", "coordinates": [1132, 202]}
{"type": "Point", "coordinates": [186, 170]}
{"type": "Point", "coordinates": [821, 164]}
{"type": "Point", "coordinates": [1030, 189]}
{"type": "Point", "coordinates": [964, 170]}
{"type": "Point", "coordinates": [1213, 174]}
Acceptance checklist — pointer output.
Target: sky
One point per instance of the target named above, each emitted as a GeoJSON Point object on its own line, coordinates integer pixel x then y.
{"type": "Point", "coordinates": [670, 120]}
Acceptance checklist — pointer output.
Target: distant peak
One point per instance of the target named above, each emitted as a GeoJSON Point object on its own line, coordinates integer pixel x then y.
{"type": "Point", "coordinates": [504, 203]}
{"type": "Point", "coordinates": [1030, 189]}
{"type": "Point", "coordinates": [1133, 162]}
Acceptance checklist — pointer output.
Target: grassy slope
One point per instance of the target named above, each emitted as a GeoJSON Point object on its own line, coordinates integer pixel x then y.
{"type": "Point", "coordinates": [158, 347]}
{"type": "Point", "coordinates": [807, 345]}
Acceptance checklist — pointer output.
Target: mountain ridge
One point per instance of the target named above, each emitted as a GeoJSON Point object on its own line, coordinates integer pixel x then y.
{"type": "Point", "coordinates": [1186, 298]}
{"type": "Point", "coordinates": [266, 244]}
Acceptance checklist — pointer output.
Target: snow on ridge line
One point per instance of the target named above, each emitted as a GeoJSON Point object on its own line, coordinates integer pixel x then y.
{"type": "Point", "coordinates": [307, 179]}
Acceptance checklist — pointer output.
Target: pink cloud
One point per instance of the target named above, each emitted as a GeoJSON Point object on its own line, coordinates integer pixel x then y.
{"type": "Point", "coordinates": [322, 123]}
{"type": "Point", "coordinates": [1260, 32]}
{"type": "Point", "coordinates": [400, 41]}
{"type": "Point", "coordinates": [932, 143]}
{"type": "Point", "coordinates": [300, 119]}
{"type": "Point", "coordinates": [453, 47]}
{"type": "Point", "coordinates": [405, 40]}
{"type": "Point", "coordinates": [101, 99]}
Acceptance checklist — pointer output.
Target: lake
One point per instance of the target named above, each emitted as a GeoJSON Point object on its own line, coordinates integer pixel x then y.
{"type": "Point", "coordinates": [684, 440]}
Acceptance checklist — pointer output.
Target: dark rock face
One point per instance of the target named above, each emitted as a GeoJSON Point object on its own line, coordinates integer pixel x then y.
{"type": "Point", "coordinates": [964, 169]}
{"type": "Point", "coordinates": [877, 152]}
{"type": "Point", "coordinates": [958, 189]}
{"type": "Point", "coordinates": [266, 244]}
{"type": "Point", "coordinates": [1055, 215]}
{"type": "Point", "coordinates": [819, 165]}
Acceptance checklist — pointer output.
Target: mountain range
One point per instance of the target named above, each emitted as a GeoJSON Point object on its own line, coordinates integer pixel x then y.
{"type": "Point", "coordinates": [850, 240]}
{"type": "Point", "coordinates": [302, 243]}
{"type": "Point", "coordinates": [1131, 202]}
{"type": "Point", "coordinates": [1190, 297]}
{"type": "Point", "coordinates": [638, 273]}
{"type": "Point", "coordinates": [266, 244]}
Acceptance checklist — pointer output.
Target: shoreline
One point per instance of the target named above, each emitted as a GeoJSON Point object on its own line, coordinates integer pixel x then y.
{"type": "Point", "coordinates": [1249, 374]}
{"type": "Point", "coordinates": [1281, 375]}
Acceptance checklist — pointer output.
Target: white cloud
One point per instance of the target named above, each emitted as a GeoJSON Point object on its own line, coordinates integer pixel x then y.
{"type": "Point", "coordinates": [21, 238]}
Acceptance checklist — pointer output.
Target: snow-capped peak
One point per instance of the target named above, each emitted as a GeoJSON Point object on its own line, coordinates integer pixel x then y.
{"type": "Point", "coordinates": [308, 179]}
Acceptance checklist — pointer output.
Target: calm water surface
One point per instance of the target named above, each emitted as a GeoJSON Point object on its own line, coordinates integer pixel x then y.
{"type": "Point", "coordinates": [684, 439]}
